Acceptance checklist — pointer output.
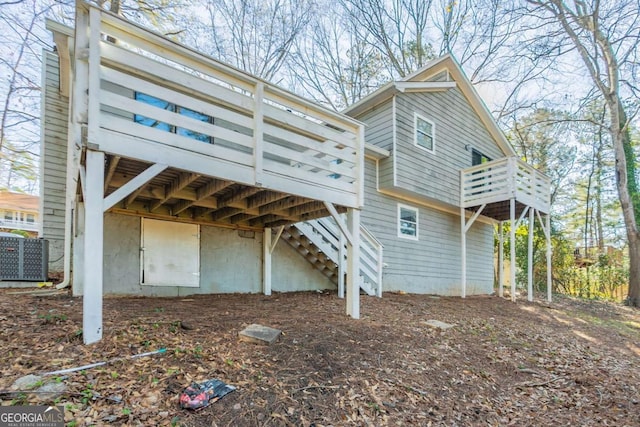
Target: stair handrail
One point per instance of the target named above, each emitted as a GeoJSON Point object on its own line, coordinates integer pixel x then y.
{"type": "Point", "coordinates": [378, 247]}
{"type": "Point", "coordinates": [371, 249]}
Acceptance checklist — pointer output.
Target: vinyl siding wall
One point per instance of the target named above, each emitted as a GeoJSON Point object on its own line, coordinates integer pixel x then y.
{"type": "Point", "coordinates": [430, 265]}
{"type": "Point", "coordinates": [437, 175]}
{"type": "Point", "coordinates": [54, 161]}
{"type": "Point", "coordinates": [379, 125]}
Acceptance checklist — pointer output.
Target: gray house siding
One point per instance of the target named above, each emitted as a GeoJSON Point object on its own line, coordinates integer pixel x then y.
{"type": "Point", "coordinates": [228, 263]}
{"type": "Point", "coordinates": [54, 160]}
{"type": "Point", "coordinates": [431, 264]}
{"type": "Point", "coordinates": [379, 125]}
{"type": "Point", "coordinates": [437, 175]}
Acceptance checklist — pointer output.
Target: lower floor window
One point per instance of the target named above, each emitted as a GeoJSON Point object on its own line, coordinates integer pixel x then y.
{"type": "Point", "coordinates": [407, 222]}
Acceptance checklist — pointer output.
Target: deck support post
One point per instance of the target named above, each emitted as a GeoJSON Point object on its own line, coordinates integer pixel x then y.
{"type": "Point", "coordinates": [353, 263]}
{"type": "Point", "coordinates": [266, 261]}
{"type": "Point", "coordinates": [501, 259]}
{"type": "Point", "coordinates": [341, 245]}
{"type": "Point", "coordinates": [78, 249]}
{"type": "Point", "coordinates": [463, 253]}
{"type": "Point", "coordinates": [93, 247]}
{"type": "Point", "coordinates": [530, 255]}
{"type": "Point", "coordinates": [464, 227]}
{"type": "Point", "coordinates": [512, 247]}
{"type": "Point", "coordinates": [548, 236]}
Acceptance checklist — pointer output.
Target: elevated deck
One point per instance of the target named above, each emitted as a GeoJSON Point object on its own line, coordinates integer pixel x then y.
{"type": "Point", "coordinates": [507, 189]}
{"type": "Point", "coordinates": [217, 145]}
{"type": "Point", "coordinates": [494, 184]}
{"type": "Point", "coordinates": [160, 130]}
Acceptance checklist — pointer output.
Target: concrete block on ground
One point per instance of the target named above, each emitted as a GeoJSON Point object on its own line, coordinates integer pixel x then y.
{"type": "Point", "coordinates": [259, 334]}
{"type": "Point", "coordinates": [438, 324]}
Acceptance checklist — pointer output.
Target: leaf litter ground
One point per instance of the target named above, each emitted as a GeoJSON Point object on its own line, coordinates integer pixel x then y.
{"type": "Point", "coordinates": [566, 363]}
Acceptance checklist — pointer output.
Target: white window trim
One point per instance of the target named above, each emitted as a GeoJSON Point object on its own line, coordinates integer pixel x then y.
{"type": "Point", "coordinates": [398, 218]}
{"type": "Point", "coordinates": [417, 116]}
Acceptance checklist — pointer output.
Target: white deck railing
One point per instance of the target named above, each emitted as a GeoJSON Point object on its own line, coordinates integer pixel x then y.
{"type": "Point", "coordinates": [19, 225]}
{"type": "Point", "coordinates": [504, 179]}
{"type": "Point", "coordinates": [246, 130]}
{"type": "Point", "coordinates": [324, 234]}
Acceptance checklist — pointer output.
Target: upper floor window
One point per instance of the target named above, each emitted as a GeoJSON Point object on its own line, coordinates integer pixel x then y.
{"type": "Point", "coordinates": [407, 222]}
{"type": "Point", "coordinates": [477, 158]}
{"type": "Point", "coordinates": [156, 102]}
{"type": "Point", "coordinates": [31, 218]}
{"type": "Point", "coordinates": [425, 133]}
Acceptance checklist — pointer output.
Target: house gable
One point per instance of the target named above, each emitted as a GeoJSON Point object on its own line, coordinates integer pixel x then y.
{"type": "Point", "coordinates": [457, 131]}
{"type": "Point", "coordinates": [441, 99]}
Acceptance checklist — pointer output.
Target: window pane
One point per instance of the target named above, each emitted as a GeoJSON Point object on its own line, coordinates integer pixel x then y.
{"type": "Point", "coordinates": [477, 158]}
{"type": "Point", "coordinates": [408, 222]}
{"type": "Point", "coordinates": [197, 116]}
{"type": "Point", "coordinates": [408, 228]}
{"type": "Point", "coordinates": [407, 215]}
{"type": "Point", "coordinates": [424, 126]}
{"type": "Point", "coordinates": [424, 133]}
{"type": "Point", "coordinates": [30, 218]}
{"type": "Point", "coordinates": [425, 141]}
{"type": "Point", "coordinates": [146, 121]}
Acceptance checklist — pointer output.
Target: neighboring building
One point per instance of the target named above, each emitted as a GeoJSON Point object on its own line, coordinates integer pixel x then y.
{"type": "Point", "coordinates": [176, 174]}
{"type": "Point", "coordinates": [19, 212]}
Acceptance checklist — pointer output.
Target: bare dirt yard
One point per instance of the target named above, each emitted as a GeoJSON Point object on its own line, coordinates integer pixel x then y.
{"type": "Point", "coordinates": [565, 363]}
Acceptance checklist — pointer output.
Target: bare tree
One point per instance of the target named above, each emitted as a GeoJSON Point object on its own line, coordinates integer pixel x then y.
{"type": "Point", "coordinates": [398, 29]}
{"type": "Point", "coordinates": [256, 36]}
{"type": "Point", "coordinates": [540, 139]}
{"type": "Point", "coordinates": [605, 37]}
{"type": "Point", "coordinates": [20, 86]}
{"type": "Point", "coordinates": [333, 65]}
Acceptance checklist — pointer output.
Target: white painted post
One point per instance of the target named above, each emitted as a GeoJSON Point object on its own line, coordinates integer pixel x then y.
{"type": "Point", "coordinates": [78, 250]}
{"type": "Point", "coordinates": [512, 216]}
{"type": "Point", "coordinates": [266, 262]}
{"type": "Point", "coordinates": [93, 248]}
{"type": "Point", "coordinates": [380, 266]}
{"type": "Point", "coordinates": [463, 251]}
{"type": "Point", "coordinates": [530, 255]}
{"type": "Point", "coordinates": [258, 131]}
{"type": "Point", "coordinates": [353, 264]}
{"type": "Point", "coordinates": [359, 166]}
{"type": "Point", "coordinates": [548, 236]}
{"type": "Point", "coordinates": [501, 259]}
{"type": "Point", "coordinates": [93, 123]}
{"type": "Point", "coordinates": [341, 244]}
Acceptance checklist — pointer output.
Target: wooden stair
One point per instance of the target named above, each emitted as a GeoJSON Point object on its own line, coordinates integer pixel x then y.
{"type": "Point", "coordinates": [318, 242]}
{"type": "Point", "coordinates": [318, 259]}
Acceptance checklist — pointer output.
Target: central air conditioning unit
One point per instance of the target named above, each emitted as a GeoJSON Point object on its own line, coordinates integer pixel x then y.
{"type": "Point", "coordinates": [24, 259]}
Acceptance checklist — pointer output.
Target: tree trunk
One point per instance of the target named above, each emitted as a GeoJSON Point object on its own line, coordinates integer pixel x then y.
{"type": "Point", "coordinates": [628, 194]}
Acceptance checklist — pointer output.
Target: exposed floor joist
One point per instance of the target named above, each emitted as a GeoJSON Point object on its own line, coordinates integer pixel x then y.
{"type": "Point", "coordinates": [184, 196]}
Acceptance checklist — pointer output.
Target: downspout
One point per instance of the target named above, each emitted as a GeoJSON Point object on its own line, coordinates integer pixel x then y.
{"type": "Point", "coordinates": [67, 236]}
{"type": "Point", "coordinates": [63, 39]}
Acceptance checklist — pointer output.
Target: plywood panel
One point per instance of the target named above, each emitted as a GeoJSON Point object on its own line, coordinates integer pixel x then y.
{"type": "Point", "coordinates": [171, 253]}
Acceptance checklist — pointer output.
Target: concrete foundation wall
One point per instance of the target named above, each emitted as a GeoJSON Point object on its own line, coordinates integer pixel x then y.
{"type": "Point", "coordinates": [228, 263]}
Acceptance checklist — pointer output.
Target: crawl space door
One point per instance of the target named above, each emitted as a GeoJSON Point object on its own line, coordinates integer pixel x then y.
{"type": "Point", "coordinates": [170, 253]}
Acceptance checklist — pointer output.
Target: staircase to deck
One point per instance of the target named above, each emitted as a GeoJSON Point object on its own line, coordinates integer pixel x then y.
{"type": "Point", "coordinates": [319, 242]}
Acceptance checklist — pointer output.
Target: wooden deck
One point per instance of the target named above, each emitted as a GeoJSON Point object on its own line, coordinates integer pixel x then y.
{"type": "Point", "coordinates": [494, 184]}
{"type": "Point", "coordinates": [507, 189]}
{"type": "Point", "coordinates": [159, 130]}
{"type": "Point", "coordinates": [189, 138]}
